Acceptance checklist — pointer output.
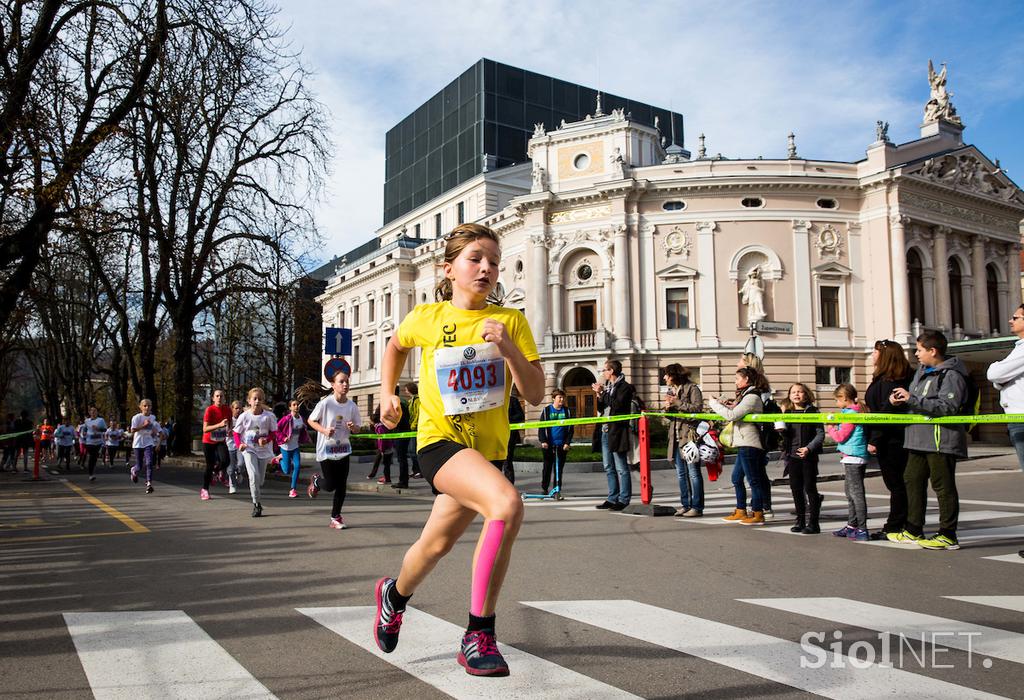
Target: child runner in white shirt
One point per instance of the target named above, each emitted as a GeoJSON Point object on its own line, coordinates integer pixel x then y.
{"type": "Point", "coordinates": [334, 419]}
{"type": "Point", "coordinates": [234, 461]}
{"type": "Point", "coordinates": [64, 438]}
{"type": "Point", "coordinates": [255, 429]}
{"type": "Point", "coordinates": [112, 442]}
{"type": "Point", "coordinates": [144, 429]}
{"type": "Point", "coordinates": [94, 426]}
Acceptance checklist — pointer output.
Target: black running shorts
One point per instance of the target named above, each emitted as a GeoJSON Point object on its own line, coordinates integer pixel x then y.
{"type": "Point", "coordinates": [436, 455]}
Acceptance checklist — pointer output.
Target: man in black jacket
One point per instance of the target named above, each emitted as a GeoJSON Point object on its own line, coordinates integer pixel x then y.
{"type": "Point", "coordinates": [614, 398]}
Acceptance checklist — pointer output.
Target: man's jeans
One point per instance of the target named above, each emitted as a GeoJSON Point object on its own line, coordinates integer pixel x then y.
{"type": "Point", "coordinates": [1016, 431]}
{"type": "Point", "coordinates": [616, 469]}
{"type": "Point", "coordinates": [691, 483]}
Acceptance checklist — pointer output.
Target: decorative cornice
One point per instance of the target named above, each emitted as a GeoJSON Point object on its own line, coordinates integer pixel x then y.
{"type": "Point", "coordinates": [1000, 224]}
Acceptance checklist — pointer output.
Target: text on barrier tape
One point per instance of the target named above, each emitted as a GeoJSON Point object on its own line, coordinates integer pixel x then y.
{"type": "Point", "coordinates": [516, 426]}
{"type": "Point", "coordinates": [862, 418]}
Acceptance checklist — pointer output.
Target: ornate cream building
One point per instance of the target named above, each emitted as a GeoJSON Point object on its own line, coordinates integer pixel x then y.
{"type": "Point", "coordinates": [615, 246]}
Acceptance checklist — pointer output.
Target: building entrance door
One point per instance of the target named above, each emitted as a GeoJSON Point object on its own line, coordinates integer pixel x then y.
{"type": "Point", "coordinates": [580, 399]}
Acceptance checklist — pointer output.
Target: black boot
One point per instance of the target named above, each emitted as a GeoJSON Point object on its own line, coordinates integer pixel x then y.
{"type": "Point", "coordinates": [798, 526]}
{"type": "Point", "coordinates": [812, 527]}
{"type": "Point", "coordinates": [257, 510]}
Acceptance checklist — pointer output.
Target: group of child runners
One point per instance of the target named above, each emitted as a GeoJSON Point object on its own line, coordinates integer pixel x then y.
{"type": "Point", "coordinates": [473, 352]}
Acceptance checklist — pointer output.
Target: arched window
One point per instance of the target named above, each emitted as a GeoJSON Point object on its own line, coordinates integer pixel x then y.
{"type": "Point", "coordinates": [992, 292]}
{"type": "Point", "coordinates": [956, 292]}
{"type": "Point", "coordinates": [915, 280]}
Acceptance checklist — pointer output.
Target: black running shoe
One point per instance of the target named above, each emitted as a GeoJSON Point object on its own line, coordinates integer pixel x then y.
{"type": "Point", "coordinates": [388, 622]}
{"type": "Point", "coordinates": [480, 656]}
{"type": "Point", "coordinates": [314, 486]}
{"type": "Point", "coordinates": [607, 505]}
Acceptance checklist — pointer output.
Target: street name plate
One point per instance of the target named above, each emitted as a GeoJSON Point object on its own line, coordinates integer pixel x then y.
{"type": "Point", "coordinates": [783, 327]}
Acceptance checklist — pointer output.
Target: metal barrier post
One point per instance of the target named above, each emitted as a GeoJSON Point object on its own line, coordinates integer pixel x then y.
{"type": "Point", "coordinates": [646, 489]}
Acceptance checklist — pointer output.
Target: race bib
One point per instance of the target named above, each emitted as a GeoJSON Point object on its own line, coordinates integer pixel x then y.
{"type": "Point", "coordinates": [219, 435]}
{"type": "Point", "coordinates": [337, 448]}
{"type": "Point", "coordinates": [471, 378]}
{"type": "Point", "coordinates": [250, 437]}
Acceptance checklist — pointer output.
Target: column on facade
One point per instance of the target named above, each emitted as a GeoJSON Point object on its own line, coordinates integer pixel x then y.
{"type": "Point", "coordinates": [1013, 280]}
{"type": "Point", "coordinates": [538, 285]}
{"type": "Point", "coordinates": [856, 316]}
{"type": "Point", "coordinates": [620, 286]}
{"type": "Point", "coordinates": [900, 285]}
{"type": "Point", "coordinates": [805, 292]}
{"type": "Point", "coordinates": [981, 319]}
{"type": "Point", "coordinates": [555, 294]}
{"type": "Point", "coordinates": [707, 315]}
{"type": "Point", "coordinates": [606, 297]}
{"type": "Point", "coordinates": [940, 263]}
{"type": "Point", "coordinates": [648, 289]}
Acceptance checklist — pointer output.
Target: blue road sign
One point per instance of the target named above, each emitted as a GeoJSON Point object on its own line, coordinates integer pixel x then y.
{"type": "Point", "coordinates": [335, 365]}
{"type": "Point", "coordinates": [338, 341]}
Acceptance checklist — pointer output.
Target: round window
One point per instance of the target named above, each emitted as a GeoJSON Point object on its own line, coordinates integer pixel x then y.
{"type": "Point", "coordinates": [581, 161]}
{"type": "Point", "coordinates": [674, 205]}
{"type": "Point", "coordinates": [827, 203]}
{"type": "Point", "coordinates": [584, 272]}
{"type": "Point", "coordinates": [752, 202]}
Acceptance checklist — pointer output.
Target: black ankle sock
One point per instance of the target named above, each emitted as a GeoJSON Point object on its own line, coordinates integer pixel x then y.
{"type": "Point", "coordinates": [480, 623]}
{"type": "Point", "coordinates": [397, 600]}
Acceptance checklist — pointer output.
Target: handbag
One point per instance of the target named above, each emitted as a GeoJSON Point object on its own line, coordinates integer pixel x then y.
{"type": "Point", "coordinates": [725, 437]}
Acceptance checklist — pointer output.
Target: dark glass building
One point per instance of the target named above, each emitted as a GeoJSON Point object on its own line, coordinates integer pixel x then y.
{"type": "Point", "coordinates": [491, 108]}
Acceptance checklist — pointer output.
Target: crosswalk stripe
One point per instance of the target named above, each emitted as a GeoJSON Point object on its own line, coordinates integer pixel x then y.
{"type": "Point", "coordinates": [758, 654]}
{"type": "Point", "coordinates": [156, 654]}
{"type": "Point", "coordinates": [977, 639]}
{"type": "Point", "coordinates": [877, 523]}
{"type": "Point", "coordinates": [428, 648]}
{"type": "Point", "coordinates": [1012, 558]}
{"type": "Point", "coordinates": [1006, 602]}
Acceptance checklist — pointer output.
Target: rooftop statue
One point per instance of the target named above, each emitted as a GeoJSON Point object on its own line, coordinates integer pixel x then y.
{"type": "Point", "coordinates": [939, 107]}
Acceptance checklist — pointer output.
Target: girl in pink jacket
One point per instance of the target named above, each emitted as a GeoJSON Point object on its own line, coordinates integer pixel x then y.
{"type": "Point", "coordinates": [291, 432]}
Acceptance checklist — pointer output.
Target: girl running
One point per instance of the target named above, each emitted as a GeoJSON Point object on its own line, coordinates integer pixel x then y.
{"type": "Point", "coordinates": [235, 467]}
{"type": "Point", "coordinates": [216, 424]}
{"type": "Point", "coordinates": [145, 432]}
{"type": "Point", "coordinates": [473, 352]}
{"type": "Point", "coordinates": [291, 432]}
{"type": "Point", "coordinates": [95, 426]}
{"type": "Point", "coordinates": [80, 433]}
{"type": "Point", "coordinates": [334, 419]}
{"type": "Point", "coordinates": [255, 429]}
{"type": "Point", "coordinates": [112, 442]}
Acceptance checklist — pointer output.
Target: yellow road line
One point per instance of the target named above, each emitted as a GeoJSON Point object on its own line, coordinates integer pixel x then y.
{"type": "Point", "coordinates": [44, 538]}
{"type": "Point", "coordinates": [131, 523]}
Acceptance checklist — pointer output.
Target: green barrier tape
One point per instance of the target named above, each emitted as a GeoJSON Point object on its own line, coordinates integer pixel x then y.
{"type": "Point", "coordinates": [10, 435]}
{"type": "Point", "coordinates": [862, 418]}
{"type": "Point", "coordinates": [516, 426]}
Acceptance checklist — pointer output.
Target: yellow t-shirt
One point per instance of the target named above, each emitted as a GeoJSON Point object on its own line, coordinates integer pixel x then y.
{"type": "Point", "coordinates": [441, 325]}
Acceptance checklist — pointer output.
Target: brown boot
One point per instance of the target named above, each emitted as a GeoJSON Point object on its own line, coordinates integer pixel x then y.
{"type": "Point", "coordinates": [755, 518]}
{"type": "Point", "coordinates": [737, 515]}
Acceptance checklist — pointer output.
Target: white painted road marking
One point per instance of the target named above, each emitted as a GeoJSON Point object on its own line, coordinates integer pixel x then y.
{"type": "Point", "coordinates": [428, 649]}
{"type": "Point", "coordinates": [1012, 558]}
{"type": "Point", "coordinates": [156, 654]}
{"type": "Point", "coordinates": [757, 654]}
{"type": "Point", "coordinates": [1006, 602]}
{"type": "Point", "coordinates": [978, 639]}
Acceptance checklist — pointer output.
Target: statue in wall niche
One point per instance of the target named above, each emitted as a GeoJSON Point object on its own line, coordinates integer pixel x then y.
{"type": "Point", "coordinates": [752, 295]}
{"type": "Point", "coordinates": [618, 164]}
{"type": "Point", "coordinates": [539, 179]}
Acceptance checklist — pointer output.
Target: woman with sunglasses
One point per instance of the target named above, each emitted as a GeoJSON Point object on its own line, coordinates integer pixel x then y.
{"type": "Point", "coordinates": [892, 371]}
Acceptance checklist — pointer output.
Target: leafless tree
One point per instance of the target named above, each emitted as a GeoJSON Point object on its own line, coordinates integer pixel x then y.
{"type": "Point", "coordinates": [70, 72]}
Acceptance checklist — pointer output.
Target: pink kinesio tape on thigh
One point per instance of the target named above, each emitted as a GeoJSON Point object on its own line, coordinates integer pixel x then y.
{"type": "Point", "coordinates": [485, 564]}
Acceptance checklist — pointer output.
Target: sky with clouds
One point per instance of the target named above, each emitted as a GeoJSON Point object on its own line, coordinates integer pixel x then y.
{"type": "Point", "coordinates": [743, 73]}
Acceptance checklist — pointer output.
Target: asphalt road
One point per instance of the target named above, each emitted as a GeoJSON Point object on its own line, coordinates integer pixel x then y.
{"type": "Point", "coordinates": [108, 592]}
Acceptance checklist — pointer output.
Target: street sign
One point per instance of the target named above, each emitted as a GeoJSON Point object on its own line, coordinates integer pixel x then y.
{"type": "Point", "coordinates": [779, 327]}
{"type": "Point", "coordinates": [335, 365]}
{"type": "Point", "coordinates": [338, 341]}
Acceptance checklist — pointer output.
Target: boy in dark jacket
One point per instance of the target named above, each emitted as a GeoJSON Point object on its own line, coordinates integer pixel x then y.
{"type": "Point", "coordinates": [555, 442]}
{"type": "Point", "coordinates": [939, 388]}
